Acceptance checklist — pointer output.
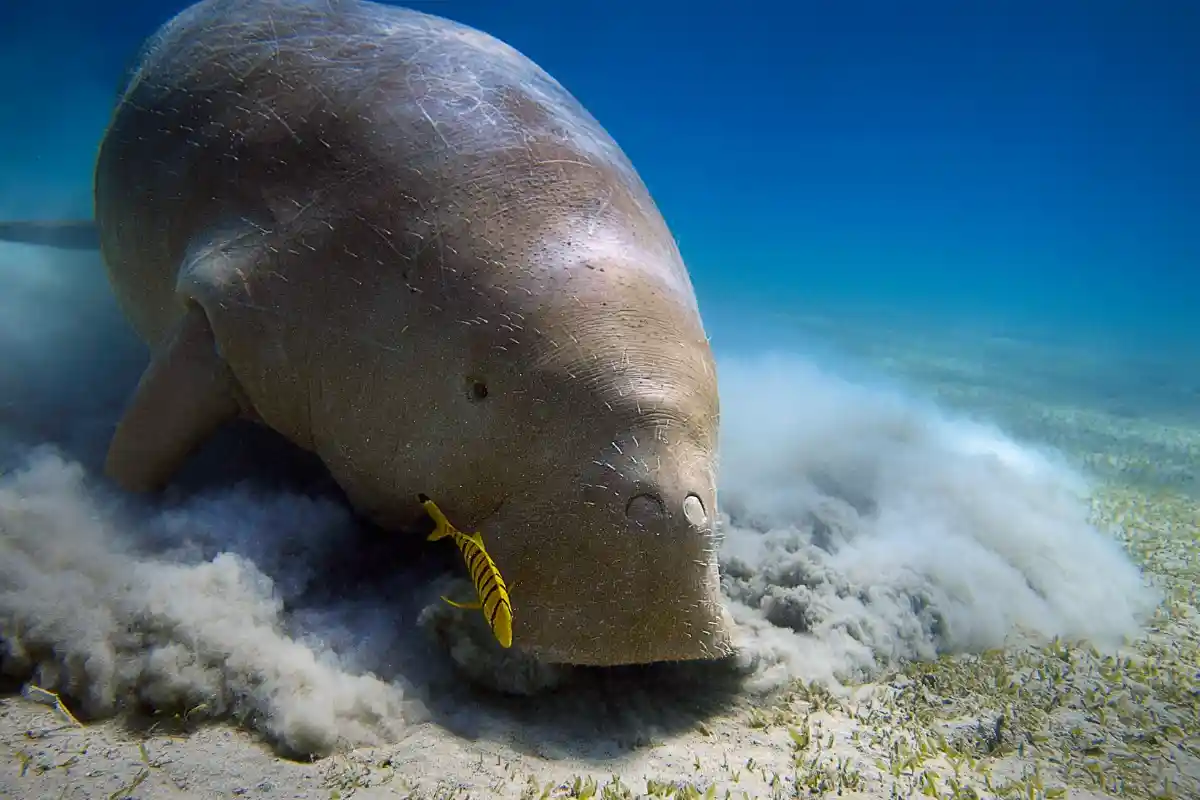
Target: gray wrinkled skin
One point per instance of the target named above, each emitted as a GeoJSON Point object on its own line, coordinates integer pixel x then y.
{"type": "Point", "coordinates": [377, 213]}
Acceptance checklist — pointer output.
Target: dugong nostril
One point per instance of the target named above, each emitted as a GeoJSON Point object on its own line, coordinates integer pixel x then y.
{"type": "Point", "coordinates": [693, 510]}
{"type": "Point", "coordinates": [645, 508]}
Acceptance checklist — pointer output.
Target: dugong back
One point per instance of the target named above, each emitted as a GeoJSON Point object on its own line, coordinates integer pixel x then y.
{"type": "Point", "coordinates": [278, 111]}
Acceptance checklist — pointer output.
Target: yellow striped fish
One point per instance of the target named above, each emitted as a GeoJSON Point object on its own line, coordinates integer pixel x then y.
{"type": "Point", "coordinates": [493, 594]}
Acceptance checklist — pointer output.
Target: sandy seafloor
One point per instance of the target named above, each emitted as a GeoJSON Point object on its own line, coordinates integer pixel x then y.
{"type": "Point", "coordinates": [1027, 719]}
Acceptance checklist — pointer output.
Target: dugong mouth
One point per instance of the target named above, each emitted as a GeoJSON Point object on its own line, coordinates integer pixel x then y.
{"type": "Point", "coordinates": [614, 585]}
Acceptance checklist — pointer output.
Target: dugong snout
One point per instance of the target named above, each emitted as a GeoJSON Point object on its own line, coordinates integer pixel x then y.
{"type": "Point", "coordinates": [629, 574]}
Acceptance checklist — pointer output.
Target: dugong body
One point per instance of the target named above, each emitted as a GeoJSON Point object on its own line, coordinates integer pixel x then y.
{"type": "Point", "coordinates": [403, 246]}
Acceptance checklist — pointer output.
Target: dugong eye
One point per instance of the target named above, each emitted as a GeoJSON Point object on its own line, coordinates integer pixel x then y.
{"type": "Point", "coordinates": [478, 390]}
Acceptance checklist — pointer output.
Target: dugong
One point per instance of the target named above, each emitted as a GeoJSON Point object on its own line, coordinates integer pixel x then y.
{"type": "Point", "coordinates": [402, 245]}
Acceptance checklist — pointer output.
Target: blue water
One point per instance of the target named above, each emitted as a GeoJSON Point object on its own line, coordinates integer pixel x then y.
{"type": "Point", "coordinates": [1023, 168]}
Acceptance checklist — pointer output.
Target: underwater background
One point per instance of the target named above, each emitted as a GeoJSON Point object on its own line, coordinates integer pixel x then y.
{"type": "Point", "coordinates": [948, 255]}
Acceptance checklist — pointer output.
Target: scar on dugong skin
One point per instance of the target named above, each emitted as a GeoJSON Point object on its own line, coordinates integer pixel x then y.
{"type": "Point", "coordinates": [399, 243]}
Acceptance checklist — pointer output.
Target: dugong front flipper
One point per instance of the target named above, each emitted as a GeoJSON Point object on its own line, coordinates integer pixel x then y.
{"type": "Point", "coordinates": [73, 234]}
{"type": "Point", "coordinates": [185, 394]}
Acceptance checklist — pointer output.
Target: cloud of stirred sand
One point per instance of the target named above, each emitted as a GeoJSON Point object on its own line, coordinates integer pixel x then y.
{"type": "Point", "coordinates": [860, 526]}
{"type": "Point", "coordinates": [864, 526]}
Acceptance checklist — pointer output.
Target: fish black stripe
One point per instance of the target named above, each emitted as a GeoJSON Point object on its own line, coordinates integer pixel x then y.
{"type": "Point", "coordinates": [472, 555]}
{"type": "Point", "coordinates": [480, 572]}
{"type": "Point", "coordinates": [491, 590]}
{"type": "Point", "coordinates": [466, 547]}
{"type": "Point", "coordinates": [476, 559]}
{"type": "Point", "coordinates": [488, 564]}
{"type": "Point", "coordinates": [492, 616]}
{"type": "Point", "coordinates": [484, 587]}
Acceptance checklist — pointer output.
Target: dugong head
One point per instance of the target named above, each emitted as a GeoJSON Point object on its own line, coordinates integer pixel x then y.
{"type": "Point", "coordinates": [608, 540]}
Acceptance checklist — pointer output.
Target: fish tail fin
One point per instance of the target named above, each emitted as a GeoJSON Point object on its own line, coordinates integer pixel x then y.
{"type": "Point", "coordinates": [443, 527]}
